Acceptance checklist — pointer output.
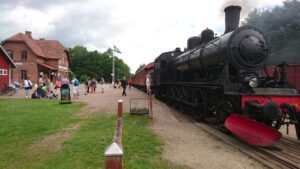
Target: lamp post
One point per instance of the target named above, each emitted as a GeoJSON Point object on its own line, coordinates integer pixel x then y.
{"type": "Point", "coordinates": [113, 70]}
{"type": "Point", "coordinates": [113, 63]}
{"type": "Point", "coordinates": [118, 74]}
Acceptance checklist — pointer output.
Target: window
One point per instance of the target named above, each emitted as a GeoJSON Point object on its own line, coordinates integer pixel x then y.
{"type": "Point", "coordinates": [24, 56]}
{"type": "Point", "coordinates": [23, 74]}
{"type": "Point", "coordinates": [3, 72]}
{"type": "Point", "coordinates": [62, 61]}
{"type": "Point", "coordinates": [10, 53]}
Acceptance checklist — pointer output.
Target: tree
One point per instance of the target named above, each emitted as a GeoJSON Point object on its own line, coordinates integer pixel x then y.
{"type": "Point", "coordinates": [142, 66]}
{"type": "Point", "coordinates": [282, 27]}
{"type": "Point", "coordinates": [95, 64]}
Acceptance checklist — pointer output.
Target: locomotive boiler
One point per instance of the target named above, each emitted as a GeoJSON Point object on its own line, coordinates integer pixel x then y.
{"type": "Point", "coordinates": [220, 76]}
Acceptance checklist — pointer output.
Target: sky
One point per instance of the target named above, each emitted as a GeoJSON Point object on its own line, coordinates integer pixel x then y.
{"type": "Point", "coordinates": [140, 29]}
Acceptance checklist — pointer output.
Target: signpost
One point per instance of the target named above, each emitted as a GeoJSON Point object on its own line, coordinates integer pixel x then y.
{"type": "Point", "coordinates": [65, 96]}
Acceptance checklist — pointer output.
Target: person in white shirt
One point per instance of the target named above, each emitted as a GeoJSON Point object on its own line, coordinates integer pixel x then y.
{"type": "Point", "coordinates": [148, 82]}
{"type": "Point", "coordinates": [27, 86]}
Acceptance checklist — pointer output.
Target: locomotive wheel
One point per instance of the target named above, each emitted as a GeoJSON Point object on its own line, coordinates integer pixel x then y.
{"type": "Point", "coordinates": [199, 99]}
{"type": "Point", "coordinates": [224, 109]}
{"type": "Point", "coordinates": [182, 98]}
{"type": "Point", "coordinates": [273, 115]}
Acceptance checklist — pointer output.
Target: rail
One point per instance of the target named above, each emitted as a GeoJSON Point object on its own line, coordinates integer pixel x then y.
{"type": "Point", "coordinates": [284, 154]}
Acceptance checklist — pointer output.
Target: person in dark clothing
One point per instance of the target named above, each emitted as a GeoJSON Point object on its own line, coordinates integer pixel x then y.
{"type": "Point", "coordinates": [124, 84]}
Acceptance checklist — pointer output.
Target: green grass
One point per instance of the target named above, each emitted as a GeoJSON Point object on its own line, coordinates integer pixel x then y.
{"type": "Point", "coordinates": [22, 125]}
{"type": "Point", "coordinates": [142, 148]}
{"type": "Point", "coordinates": [23, 121]}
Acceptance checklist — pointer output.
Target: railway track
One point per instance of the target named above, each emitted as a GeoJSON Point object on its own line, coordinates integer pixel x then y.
{"type": "Point", "coordinates": [284, 154]}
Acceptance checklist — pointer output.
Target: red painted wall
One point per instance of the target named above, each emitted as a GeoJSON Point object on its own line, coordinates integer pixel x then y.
{"type": "Point", "coordinates": [293, 75]}
{"type": "Point", "coordinates": [4, 64]}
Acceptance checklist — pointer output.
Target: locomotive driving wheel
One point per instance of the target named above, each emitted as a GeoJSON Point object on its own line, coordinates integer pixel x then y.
{"type": "Point", "coordinates": [224, 109]}
{"type": "Point", "coordinates": [199, 99]}
{"type": "Point", "coordinates": [182, 98]}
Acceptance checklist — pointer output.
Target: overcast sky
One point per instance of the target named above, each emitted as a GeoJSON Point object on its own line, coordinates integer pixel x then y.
{"type": "Point", "coordinates": [140, 29]}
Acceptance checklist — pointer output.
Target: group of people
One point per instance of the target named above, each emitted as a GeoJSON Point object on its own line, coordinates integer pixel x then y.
{"type": "Point", "coordinates": [91, 85]}
{"type": "Point", "coordinates": [123, 83]}
{"type": "Point", "coordinates": [43, 88]}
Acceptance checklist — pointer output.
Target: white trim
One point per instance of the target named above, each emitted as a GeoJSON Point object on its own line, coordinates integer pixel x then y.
{"type": "Point", "coordinates": [3, 72]}
{"type": "Point", "coordinates": [62, 67]}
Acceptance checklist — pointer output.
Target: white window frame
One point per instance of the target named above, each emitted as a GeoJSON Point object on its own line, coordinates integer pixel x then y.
{"type": "Point", "coordinates": [3, 72]}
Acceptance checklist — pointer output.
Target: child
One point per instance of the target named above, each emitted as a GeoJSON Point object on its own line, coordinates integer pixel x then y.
{"type": "Point", "coordinates": [51, 95]}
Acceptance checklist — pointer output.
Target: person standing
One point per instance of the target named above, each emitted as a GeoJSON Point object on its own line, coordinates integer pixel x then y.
{"type": "Point", "coordinates": [75, 88]}
{"type": "Point", "coordinates": [129, 83]}
{"type": "Point", "coordinates": [93, 86]}
{"type": "Point", "coordinates": [47, 82]}
{"type": "Point", "coordinates": [65, 81]}
{"type": "Point", "coordinates": [28, 87]}
{"type": "Point", "coordinates": [89, 85]}
{"type": "Point", "coordinates": [41, 80]}
{"type": "Point", "coordinates": [148, 82]}
{"type": "Point", "coordinates": [57, 85]}
{"type": "Point", "coordinates": [124, 84]}
{"type": "Point", "coordinates": [86, 87]}
{"type": "Point", "coordinates": [102, 82]}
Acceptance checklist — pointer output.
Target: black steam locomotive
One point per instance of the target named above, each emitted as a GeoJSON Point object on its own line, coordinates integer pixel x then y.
{"type": "Point", "coordinates": [220, 76]}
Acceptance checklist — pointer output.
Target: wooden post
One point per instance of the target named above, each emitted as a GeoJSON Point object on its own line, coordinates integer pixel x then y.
{"type": "Point", "coordinates": [150, 104]}
{"type": "Point", "coordinates": [120, 108]}
{"type": "Point", "coordinates": [114, 152]}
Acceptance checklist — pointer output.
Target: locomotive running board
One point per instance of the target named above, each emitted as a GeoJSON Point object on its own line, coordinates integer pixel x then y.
{"type": "Point", "coordinates": [251, 131]}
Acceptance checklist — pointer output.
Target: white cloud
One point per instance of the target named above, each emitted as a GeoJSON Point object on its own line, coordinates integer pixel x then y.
{"type": "Point", "coordinates": [140, 29]}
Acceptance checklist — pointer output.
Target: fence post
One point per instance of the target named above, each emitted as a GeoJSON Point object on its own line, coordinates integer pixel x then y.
{"type": "Point", "coordinates": [150, 104]}
{"type": "Point", "coordinates": [114, 152]}
{"type": "Point", "coordinates": [120, 108]}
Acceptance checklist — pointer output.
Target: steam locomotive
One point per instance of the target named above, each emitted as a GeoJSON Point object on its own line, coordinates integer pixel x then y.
{"type": "Point", "coordinates": [220, 76]}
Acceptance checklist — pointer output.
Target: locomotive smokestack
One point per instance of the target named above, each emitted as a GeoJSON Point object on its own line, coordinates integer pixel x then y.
{"type": "Point", "coordinates": [232, 18]}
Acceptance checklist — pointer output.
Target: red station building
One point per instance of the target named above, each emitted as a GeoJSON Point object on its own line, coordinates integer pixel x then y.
{"type": "Point", "coordinates": [6, 64]}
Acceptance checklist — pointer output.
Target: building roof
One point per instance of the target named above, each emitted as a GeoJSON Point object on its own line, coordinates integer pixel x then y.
{"type": "Point", "coordinates": [8, 58]}
{"type": "Point", "coordinates": [50, 49]}
{"type": "Point", "coordinates": [47, 66]}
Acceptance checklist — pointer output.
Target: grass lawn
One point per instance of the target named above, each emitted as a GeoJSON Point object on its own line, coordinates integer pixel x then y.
{"type": "Point", "coordinates": [24, 122]}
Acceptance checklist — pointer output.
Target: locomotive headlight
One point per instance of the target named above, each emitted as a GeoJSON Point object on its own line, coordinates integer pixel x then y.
{"type": "Point", "coordinates": [253, 82]}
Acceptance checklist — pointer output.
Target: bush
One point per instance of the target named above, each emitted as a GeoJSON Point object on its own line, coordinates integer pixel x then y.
{"type": "Point", "coordinates": [83, 78]}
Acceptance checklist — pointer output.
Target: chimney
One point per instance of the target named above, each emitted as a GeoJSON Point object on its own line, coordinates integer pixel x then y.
{"type": "Point", "coordinates": [28, 33]}
{"type": "Point", "coordinates": [232, 18]}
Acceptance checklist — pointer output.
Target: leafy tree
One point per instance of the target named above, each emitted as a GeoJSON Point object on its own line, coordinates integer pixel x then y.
{"type": "Point", "coordinates": [142, 66]}
{"type": "Point", "coordinates": [83, 78]}
{"type": "Point", "coordinates": [95, 64]}
{"type": "Point", "coordinates": [282, 27]}
{"type": "Point", "coordinates": [71, 74]}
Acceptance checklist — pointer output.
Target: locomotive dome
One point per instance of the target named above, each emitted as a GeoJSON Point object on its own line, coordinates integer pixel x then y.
{"type": "Point", "coordinates": [207, 35]}
{"type": "Point", "coordinates": [193, 42]}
